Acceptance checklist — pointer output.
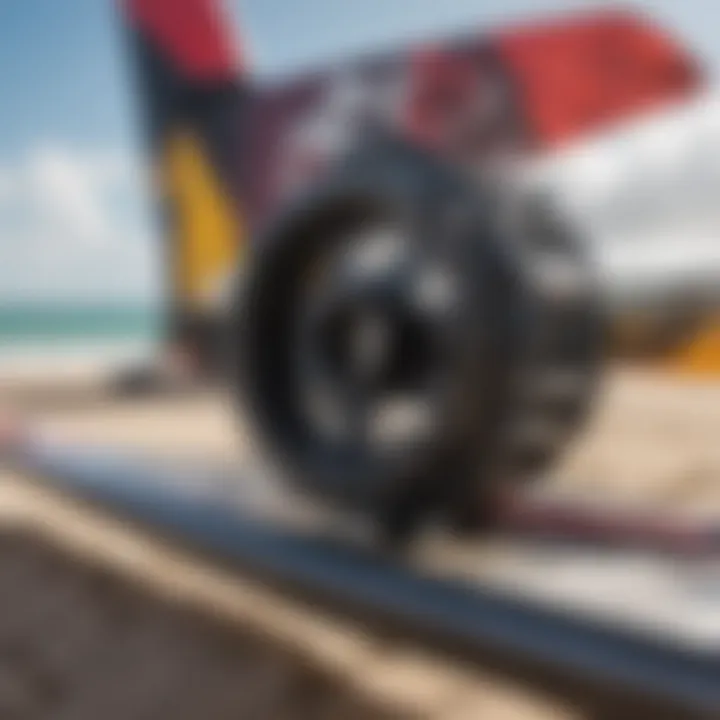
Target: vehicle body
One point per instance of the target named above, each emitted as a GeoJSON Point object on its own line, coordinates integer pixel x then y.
{"type": "Point", "coordinates": [233, 153]}
{"type": "Point", "coordinates": [424, 314]}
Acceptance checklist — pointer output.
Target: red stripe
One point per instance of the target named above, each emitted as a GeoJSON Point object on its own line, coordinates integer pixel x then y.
{"type": "Point", "coordinates": [195, 34]}
{"type": "Point", "coordinates": [577, 75]}
{"type": "Point", "coordinates": [562, 521]}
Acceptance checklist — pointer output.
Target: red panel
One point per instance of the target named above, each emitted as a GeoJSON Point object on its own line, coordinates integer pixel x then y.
{"type": "Point", "coordinates": [194, 33]}
{"type": "Point", "coordinates": [576, 76]}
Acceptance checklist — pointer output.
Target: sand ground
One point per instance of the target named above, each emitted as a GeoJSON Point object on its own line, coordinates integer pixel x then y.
{"type": "Point", "coordinates": [651, 441]}
{"type": "Point", "coordinates": [652, 438]}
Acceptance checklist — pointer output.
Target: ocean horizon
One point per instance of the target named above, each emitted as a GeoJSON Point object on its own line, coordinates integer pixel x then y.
{"type": "Point", "coordinates": [48, 321]}
{"type": "Point", "coordinates": [78, 332]}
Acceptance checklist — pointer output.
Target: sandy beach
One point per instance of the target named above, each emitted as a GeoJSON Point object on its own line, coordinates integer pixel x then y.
{"type": "Point", "coordinates": [651, 438]}
{"type": "Point", "coordinates": [652, 441]}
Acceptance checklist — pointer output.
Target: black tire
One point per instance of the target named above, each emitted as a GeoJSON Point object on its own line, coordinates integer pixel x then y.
{"type": "Point", "coordinates": [473, 451]}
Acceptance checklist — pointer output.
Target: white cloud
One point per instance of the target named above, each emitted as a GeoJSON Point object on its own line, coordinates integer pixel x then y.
{"type": "Point", "coordinates": [6, 186]}
{"type": "Point", "coordinates": [75, 222]}
{"type": "Point", "coordinates": [66, 195]}
{"type": "Point", "coordinates": [659, 173]}
{"type": "Point", "coordinates": [75, 192]}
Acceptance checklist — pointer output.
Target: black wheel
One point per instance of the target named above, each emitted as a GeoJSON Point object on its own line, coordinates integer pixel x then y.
{"type": "Point", "coordinates": [386, 334]}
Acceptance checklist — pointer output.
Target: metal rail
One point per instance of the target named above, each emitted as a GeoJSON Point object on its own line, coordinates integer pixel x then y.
{"type": "Point", "coordinates": [594, 663]}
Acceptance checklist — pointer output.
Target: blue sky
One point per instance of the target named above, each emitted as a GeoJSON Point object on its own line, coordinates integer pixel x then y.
{"type": "Point", "coordinates": [74, 216]}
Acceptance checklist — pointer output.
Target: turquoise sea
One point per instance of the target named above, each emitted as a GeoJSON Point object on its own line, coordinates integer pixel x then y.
{"type": "Point", "coordinates": [47, 327]}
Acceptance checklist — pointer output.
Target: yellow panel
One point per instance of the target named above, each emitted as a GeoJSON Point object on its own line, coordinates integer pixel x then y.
{"type": "Point", "coordinates": [702, 355]}
{"type": "Point", "coordinates": [206, 225]}
{"type": "Point", "coordinates": [677, 350]}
